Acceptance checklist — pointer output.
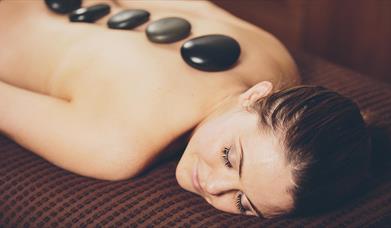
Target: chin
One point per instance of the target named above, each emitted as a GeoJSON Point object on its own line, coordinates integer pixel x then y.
{"type": "Point", "coordinates": [183, 176]}
{"type": "Point", "coordinates": [180, 174]}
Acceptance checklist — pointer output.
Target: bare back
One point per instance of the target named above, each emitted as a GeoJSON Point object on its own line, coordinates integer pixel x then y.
{"type": "Point", "coordinates": [143, 89]}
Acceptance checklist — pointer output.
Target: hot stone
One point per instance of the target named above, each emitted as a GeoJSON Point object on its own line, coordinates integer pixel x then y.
{"type": "Point", "coordinates": [63, 6]}
{"type": "Point", "coordinates": [168, 30]}
{"type": "Point", "coordinates": [90, 14]}
{"type": "Point", "coordinates": [128, 19]}
{"type": "Point", "coordinates": [211, 52]}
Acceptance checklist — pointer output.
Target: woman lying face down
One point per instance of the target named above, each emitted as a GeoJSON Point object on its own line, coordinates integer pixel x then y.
{"type": "Point", "coordinates": [295, 151]}
{"type": "Point", "coordinates": [262, 151]}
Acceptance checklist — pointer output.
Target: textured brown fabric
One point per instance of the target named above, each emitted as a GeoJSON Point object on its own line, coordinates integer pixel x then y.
{"type": "Point", "coordinates": [36, 193]}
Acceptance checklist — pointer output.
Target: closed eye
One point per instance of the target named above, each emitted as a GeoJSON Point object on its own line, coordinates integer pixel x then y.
{"type": "Point", "coordinates": [238, 203]}
{"type": "Point", "coordinates": [225, 154]}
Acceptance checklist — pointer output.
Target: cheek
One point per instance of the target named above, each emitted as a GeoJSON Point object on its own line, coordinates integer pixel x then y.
{"type": "Point", "coordinates": [224, 203]}
{"type": "Point", "coordinates": [206, 144]}
{"type": "Point", "coordinates": [208, 141]}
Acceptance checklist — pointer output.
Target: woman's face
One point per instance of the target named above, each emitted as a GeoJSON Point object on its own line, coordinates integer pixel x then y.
{"type": "Point", "coordinates": [235, 167]}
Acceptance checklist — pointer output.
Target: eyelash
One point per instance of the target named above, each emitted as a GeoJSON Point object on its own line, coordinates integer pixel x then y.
{"type": "Point", "coordinates": [225, 157]}
{"type": "Point", "coordinates": [238, 200]}
{"type": "Point", "coordinates": [238, 203]}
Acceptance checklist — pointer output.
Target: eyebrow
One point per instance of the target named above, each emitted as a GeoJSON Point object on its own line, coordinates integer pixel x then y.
{"type": "Point", "coordinates": [240, 177]}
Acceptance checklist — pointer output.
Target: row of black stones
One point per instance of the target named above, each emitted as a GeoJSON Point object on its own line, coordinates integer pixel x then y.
{"type": "Point", "coordinates": [207, 53]}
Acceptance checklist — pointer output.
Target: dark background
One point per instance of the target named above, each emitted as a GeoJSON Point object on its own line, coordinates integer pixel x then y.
{"type": "Point", "coordinates": [352, 33]}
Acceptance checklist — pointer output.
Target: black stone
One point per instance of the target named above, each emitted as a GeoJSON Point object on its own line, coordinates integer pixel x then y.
{"type": "Point", "coordinates": [63, 6]}
{"type": "Point", "coordinates": [211, 52]}
{"type": "Point", "coordinates": [128, 19]}
{"type": "Point", "coordinates": [168, 30]}
{"type": "Point", "coordinates": [90, 14]}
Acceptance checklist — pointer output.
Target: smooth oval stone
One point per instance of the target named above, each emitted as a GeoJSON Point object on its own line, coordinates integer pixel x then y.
{"type": "Point", "coordinates": [211, 52]}
{"type": "Point", "coordinates": [128, 19]}
{"type": "Point", "coordinates": [168, 30]}
{"type": "Point", "coordinates": [63, 6]}
{"type": "Point", "coordinates": [90, 14]}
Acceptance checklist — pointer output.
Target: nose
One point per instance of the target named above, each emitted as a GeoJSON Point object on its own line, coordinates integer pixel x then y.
{"type": "Point", "coordinates": [217, 184]}
{"type": "Point", "coordinates": [215, 189]}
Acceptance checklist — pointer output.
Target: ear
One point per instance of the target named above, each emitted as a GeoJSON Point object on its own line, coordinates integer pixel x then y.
{"type": "Point", "coordinates": [254, 93]}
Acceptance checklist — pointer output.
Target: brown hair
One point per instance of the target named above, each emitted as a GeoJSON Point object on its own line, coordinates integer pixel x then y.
{"type": "Point", "coordinates": [325, 141]}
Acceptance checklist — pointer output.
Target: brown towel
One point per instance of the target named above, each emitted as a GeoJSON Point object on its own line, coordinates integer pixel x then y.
{"type": "Point", "coordinates": [37, 194]}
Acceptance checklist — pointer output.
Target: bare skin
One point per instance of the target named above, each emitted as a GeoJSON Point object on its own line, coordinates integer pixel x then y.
{"type": "Point", "coordinates": [105, 103]}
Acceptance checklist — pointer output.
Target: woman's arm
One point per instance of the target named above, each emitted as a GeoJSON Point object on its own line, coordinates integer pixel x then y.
{"type": "Point", "coordinates": [55, 130]}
